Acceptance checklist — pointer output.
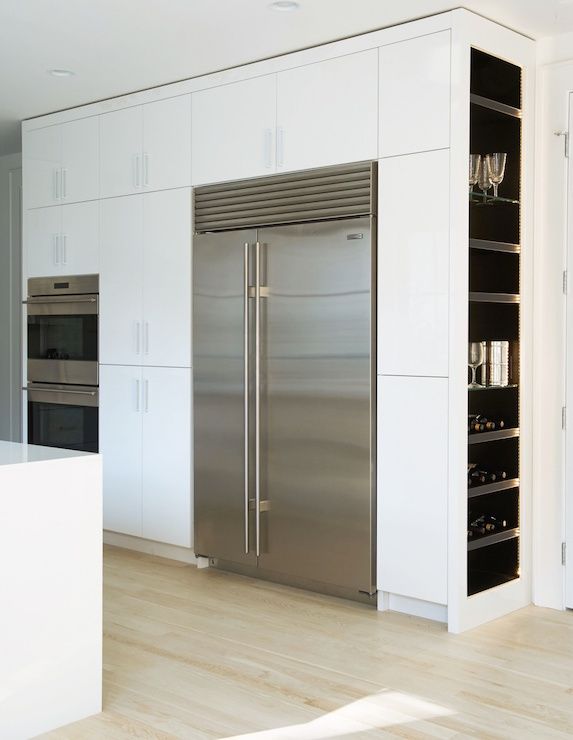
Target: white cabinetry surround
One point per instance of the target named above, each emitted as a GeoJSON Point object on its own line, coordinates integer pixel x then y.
{"type": "Point", "coordinates": [399, 95]}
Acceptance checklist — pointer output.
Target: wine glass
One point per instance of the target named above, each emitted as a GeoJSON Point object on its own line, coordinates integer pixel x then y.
{"type": "Point", "coordinates": [496, 163]}
{"type": "Point", "coordinates": [474, 167]}
{"type": "Point", "coordinates": [484, 178]}
{"type": "Point", "coordinates": [475, 359]}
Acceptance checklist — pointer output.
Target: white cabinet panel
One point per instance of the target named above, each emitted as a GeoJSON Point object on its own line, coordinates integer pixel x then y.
{"type": "Point", "coordinates": [167, 278]}
{"type": "Point", "coordinates": [412, 487]}
{"type": "Point", "coordinates": [167, 453]}
{"type": "Point", "coordinates": [120, 445]}
{"type": "Point", "coordinates": [42, 153]}
{"type": "Point", "coordinates": [167, 143]}
{"type": "Point", "coordinates": [121, 281]}
{"type": "Point", "coordinates": [43, 242]}
{"type": "Point", "coordinates": [80, 160]}
{"type": "Point", "coordinates": [121, 139]}
{"type": "Point", "coordinates": [233, 130]}
{"type": "Point", "coordinates": [415, 95]}
{"type": "Point", "coordinates": [413, 265]}
{"type": "Point", "coordinates": [80, 238]}
{"type": "Point", "coordinates": [327, 113]}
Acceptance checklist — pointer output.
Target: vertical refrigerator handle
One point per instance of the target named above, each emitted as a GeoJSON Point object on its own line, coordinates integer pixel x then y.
{"type": "Point", "coordinates": [246, 388]}
{"type": "Point", "coordinates": [258, 397]}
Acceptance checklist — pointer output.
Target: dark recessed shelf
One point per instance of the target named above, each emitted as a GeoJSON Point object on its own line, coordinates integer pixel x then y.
{"type": "Point", "coordinates": [485, 199]}
{"type": "Point", "coordinates": [476, 297]}
{"type": "Point", "coordinates": [508, 110]}
{"type": "Point", "coordinates": [493, 387]}
{"type": "Point", "coordinates": [502, 485]}
{"type": "Point", "coordinates": [491, 246]}
{"type": "Point", "coordinates": [477, 437]}
{"type": "Point", "coordinates": [487, 540]}
{"type": "Point", "coordinates": [480, 581]}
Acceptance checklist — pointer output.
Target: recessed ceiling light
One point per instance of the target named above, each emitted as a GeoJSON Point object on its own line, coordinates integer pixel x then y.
{"type": "Point", "coordinates": [61, 72]}
{"type": "Point", "coordinates": [284, 6]}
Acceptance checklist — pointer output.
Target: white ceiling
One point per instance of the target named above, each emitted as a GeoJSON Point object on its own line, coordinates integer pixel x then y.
{"type": "Point", "coordinates": [118, 46]}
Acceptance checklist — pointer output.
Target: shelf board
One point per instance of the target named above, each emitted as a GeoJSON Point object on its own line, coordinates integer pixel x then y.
{"type": "Point", "coordinates": [487, 540]}
{"type": "Point", "coordinates": [502, 485]}
{"type": "Point", "coordinates": [490, 246]}
{"type": "Point", "coordinates": [493, 387]}
{"type": "Point", "coordinates": [509, 110]}
{"type": "Point", "coordinates": [477, 437]}
{"type": "Point", "coordinates": [479, 297]}
{"type": "Point", "coordinates": [480, 581]}
{"type": "Point", "coordinates": [484, 199]}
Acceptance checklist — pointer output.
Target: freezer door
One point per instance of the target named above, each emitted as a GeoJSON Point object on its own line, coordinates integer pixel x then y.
{"type": "Point", "coordinates": [317, 403]}
{"type": "Point", "coordinates": [222, 342]}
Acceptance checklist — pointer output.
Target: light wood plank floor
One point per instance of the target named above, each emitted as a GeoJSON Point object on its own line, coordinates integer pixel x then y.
{"type": "Point", "coordinates": [202, 654]}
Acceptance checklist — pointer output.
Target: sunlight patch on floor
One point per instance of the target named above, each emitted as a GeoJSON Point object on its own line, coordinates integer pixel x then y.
{"type": "Point", "coordinates": [370, 713]}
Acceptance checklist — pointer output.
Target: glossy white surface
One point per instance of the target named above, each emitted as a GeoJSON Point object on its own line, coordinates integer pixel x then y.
{"type": "Point", "coordinates": [80, 160]}
{"type": "Point", "coordinates": [43, 228]}
{"type": "Point", "coordinates": [413, 264]}
{"type": "Point", "coordinates": [121, 139]}
{"type": "Point", "coordinates": [41, 157]}
{"type": "Point", "coordinates": [413, 487]}
{"type": "Point", "coordinates": [17, 453]}
{"type": "Point", "coordinates": [167, 143]}
{"type": "Point", "coordinates": [79, 247]}
{"type": "Point", "coordinates": [415, 96]}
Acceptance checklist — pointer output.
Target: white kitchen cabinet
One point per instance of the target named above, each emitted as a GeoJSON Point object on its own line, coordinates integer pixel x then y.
{"type": "Point", "coordinates": [415, 95]}
{"type": "Point", "coordinates": [80, 160]}
{"type": "Point", "coordinates": [167, 278]}
{"type": "Point", "coordinates": [121, 140]}
{"type": "Point", "coordinates": [120, 444]}
{"type": "Point", "coordinates": [167, 143]}
{"type": "Point", "coordinates": [42, 154]}
{"type": "Point", "coordinates": [413, 264]}
{"type": "Point", "coordinates": [166, 478]}
{"type": "Point", "coordinates": [327, 112]}
{"type": "Point", "coordinates": [413, 492]}
{"type": "Point", "coordinates": [80, 238]}
{"type": "Point", "coordinates": [233, 130]}
{"type": "Point", "coordinates": [121, 280]}
{"type": "Point", "coordinates": [42, 245]}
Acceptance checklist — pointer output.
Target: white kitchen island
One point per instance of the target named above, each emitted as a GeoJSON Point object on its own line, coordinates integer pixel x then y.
{"type": "Point", "coordinates": [50, 588]}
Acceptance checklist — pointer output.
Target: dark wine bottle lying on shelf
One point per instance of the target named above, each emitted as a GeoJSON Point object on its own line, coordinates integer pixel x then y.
{"type": "Point", "coordinates": [485, 524]}
{"type": "Point", "coordinates": [480, 476]}
{"type": "Point", "coordinates": [480, 423]}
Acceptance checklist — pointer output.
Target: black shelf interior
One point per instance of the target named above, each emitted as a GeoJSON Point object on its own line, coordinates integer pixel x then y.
{"type": "Point", "coordinates": [497, 487]}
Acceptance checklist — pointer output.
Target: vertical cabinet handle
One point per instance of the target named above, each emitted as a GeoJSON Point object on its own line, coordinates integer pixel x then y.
{"type": "Point", "coordinates": [137, 396]}
{"type": "Point", "coordinates": [56, 183]}
{"type": "Point", "coordinates": [56, 249]}
{"type": "Point", "coordinates": [258, 397]}
{"type": "Point", "coordinates": [246, 388]}
{"type": "Point", "coordinates": [64, 177]}
{"type": "Point", "coordinates": [146, 395]}
{"type": "Point", "coordinates": [137, 337]}
{"type": "Point", "coordinates": [146, 337]}
{"type": "Point", "coordinates": [64, 249]}
{"type": "Point", "coordinates": [145, 169]}
{"type": "Point", "coordinates": [137, 170]}
{"type": "Point", "coordinates": [268, 148]}
{"type": "Point", "coordinates": [280, 146]}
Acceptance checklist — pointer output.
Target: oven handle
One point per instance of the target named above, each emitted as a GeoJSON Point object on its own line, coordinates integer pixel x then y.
{"type": "Point", "coordinates": [61, 390]}
{"type": "Point", "coordinates": [66, 299]}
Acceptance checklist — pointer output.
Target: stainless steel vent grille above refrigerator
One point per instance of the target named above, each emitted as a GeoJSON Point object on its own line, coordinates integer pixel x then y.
{"type": "Point", "coordinates": [314, 195]}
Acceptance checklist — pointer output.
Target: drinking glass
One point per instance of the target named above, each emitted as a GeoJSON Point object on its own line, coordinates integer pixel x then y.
{"type": "Point", "coordinates": [475, 359]}
{"type": "Point", "coordinates": [475, 164]}
{"type": "Point", "coordinates": [496, 163]}
{"type": "Point", "coordinates": [484, 178]}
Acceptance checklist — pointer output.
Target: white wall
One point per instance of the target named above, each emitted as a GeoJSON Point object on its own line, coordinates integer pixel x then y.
{"type": "Point", "coordinates": [10, 296]}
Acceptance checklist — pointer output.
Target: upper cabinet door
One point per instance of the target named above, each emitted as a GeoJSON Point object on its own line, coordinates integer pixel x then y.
{"type": "Point", "coordinates": [413, 265]}
{"type": "Point", "coordinates": [328, 112]}
{"type": "Point", "coordinates": [233, 130]}
{"type": "Point", "coordinates": [167, 143]}
{"type": "Point", "coordinates": [121, 281]}
{"type": "Point", "coordinates": [42, 242]}
{"type": "Point", "coordinates": [80, 238]}
{"type": "Point", "coordinates": [80, 160]}
{"type": "Point", "coordinates": [415, 95]}
{"type": "Point", "coordinates": [167, 278]}
{"type": "Point", "coordinates": [42, 160]}
{"type": "Point", "coordinates": [121, 160]}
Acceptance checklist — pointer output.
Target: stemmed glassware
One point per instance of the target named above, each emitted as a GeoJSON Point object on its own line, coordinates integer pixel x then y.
{"type": "Point", "coordinates": [476, 357]}
{"type": "Point", "coordinates": [484, 177]}
{"type": "Point", "coordinates": [474, 168]}
{"type": "Point", "coordinates": [496, 165]}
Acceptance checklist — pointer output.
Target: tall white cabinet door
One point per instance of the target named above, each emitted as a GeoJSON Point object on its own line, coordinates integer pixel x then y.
{"type": "Point", "coordinates": [80, 160]}
{"type": "Point", "coordinates": [233, 130]}
{"type": "Point", "coordinates": [121, 281]}
{"type": "Point", "coordinates": [167, 278]}
{"type": "Point", "coordinates": [413, 487]}
{"type": "Point", "coordinates": [42, 242]}
{"type": "Point", "coordinates": [120, 444]}
{"type": "Point", "coordinates": [327, 113]}
{"type": "Point", "coordinates": [415, 95]}
{"type": "Point", "coordinates": [41, 162]}
{"type": "Point", "coordinates": [167, 143]}
{"type": "Point", "coordinates": [80, 238]}
{"type": "Point", "coordinates": [413, 265]}
{"type": "Point", "coordinates": [167, 513]}
{"type": "Point", "coordinates": [121, 162]}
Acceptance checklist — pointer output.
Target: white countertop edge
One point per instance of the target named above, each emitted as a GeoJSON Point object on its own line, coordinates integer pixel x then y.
{"type": "Point", "coordinates": [18, 453]}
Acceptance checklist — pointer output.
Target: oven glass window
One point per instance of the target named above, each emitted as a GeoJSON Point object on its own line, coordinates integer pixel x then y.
{"type": "Point", "coordinates": [62, 337]}
{"type": "Point", "coordinates": [59, 425]}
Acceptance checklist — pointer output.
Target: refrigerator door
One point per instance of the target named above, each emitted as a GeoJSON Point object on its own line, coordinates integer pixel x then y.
{"type": "Point", "coordinates": [222, 346]}
{"type": "Point", "coordinates": [317, 403]}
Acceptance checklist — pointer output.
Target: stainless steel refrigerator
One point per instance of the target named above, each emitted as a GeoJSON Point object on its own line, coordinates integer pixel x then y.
{"type": "Point", "coordinates": [284, 271]}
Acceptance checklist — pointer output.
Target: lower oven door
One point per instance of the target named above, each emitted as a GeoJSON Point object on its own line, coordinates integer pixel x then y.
{"type": "Point", "coordinates": [63, 416]}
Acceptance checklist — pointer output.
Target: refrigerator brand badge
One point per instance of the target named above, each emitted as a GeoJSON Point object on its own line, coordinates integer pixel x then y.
{"type": "Point", "coordinates": [354, 236]}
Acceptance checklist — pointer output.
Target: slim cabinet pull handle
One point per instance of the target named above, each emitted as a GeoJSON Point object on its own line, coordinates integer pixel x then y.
{"type": "Point", "coordinates": [246, 389]}
{"type": "Point", "coordinates": [258, 397]}
{"type": "Point", "coordinates": [64, 176]}
{"type": "Point", "coordinates": [137, 170]}
{"type": "Point", "coordinates": [56, 183]}
{"type": "Point", "coordinates": [64, 249]}
{"type": "Point", "coordinates": [56, 249]}
{"type": "Point", "coordinates": [146, 395]}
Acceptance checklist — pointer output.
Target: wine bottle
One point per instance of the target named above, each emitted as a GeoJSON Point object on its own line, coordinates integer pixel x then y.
{"type": "Point", "coordinates": [480, 423]}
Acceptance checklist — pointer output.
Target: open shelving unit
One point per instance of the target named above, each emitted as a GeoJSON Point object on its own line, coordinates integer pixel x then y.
{"type": "Point", "coordinates": [494, 315]}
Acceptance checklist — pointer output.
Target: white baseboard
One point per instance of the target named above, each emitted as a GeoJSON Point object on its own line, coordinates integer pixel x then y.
{"type": "Point", "coordinates": [149, 547]}
{"type": "Point", "coordinates": [413, 607]}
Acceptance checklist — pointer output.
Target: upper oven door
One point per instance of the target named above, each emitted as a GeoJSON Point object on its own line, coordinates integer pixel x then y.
{"type": "Point", "coordinates": [63, 339]}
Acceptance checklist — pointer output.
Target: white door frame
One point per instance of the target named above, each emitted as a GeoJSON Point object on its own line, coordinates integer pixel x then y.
{"type": "Point", "coordinates": [568, 414]}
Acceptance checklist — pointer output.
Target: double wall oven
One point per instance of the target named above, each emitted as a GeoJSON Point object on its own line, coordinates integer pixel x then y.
{"type": "Point", "coordinates": [63, 396]}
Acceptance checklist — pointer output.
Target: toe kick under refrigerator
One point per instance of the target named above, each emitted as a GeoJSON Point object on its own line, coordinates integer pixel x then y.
{"type": "Point", "coordinates": [284, 333]}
